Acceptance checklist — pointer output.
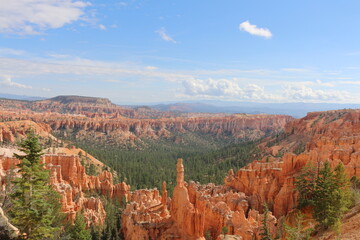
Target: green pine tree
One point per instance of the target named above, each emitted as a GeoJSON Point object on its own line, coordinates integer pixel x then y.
{"type": "Point", "coordinates": [328, 192]}
{"type": "Point", "coordinates": [297, 232]}
{"type": "Point", "coordinates": [265, 231]}
{"type": "Point", "coordinates": [78, 231]}
{"type": "Point", "coordinates": [343, 188]}
{"type": "Point", "coordinates": [325, 210]}
{"type": "Point", "coordinates": [305, 184]}
{"type": "Point", "coordinates": [35, 209]}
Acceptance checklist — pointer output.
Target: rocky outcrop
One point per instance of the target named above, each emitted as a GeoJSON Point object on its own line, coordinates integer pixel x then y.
{"type": "Point", "coordinates": [16, 130]}
{"type": "Point", "coordinates": [195, 210]}
{"type": "Point", "coordinates": [332, 136]}
{"type": "Point", "coordinates": [68, 177]}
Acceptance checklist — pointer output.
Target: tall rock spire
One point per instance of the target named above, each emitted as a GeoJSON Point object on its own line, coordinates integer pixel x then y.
{"type": "Point", "coordinates": [180, 173]}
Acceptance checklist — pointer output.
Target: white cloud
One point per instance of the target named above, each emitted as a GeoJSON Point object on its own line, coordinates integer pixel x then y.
{"type": "Point", "coordinates": [7, 81]}
{"type": "Point", "coordinates": [35, 16]}
{"type": "Point", "coordinates": [226, 88]}
{"type": "Point", "coordinates": [102, 27]}
{"type": "Point", "coordinates": [165, 36]}
{"type": "Point", "coordinates": [304, 93]}
{"type": "Point", "coordinates": [254, 30]}
{"type": "Point", "coordinates": [324, 84]}
{"type": "Point", "coordinates": [46, 89]}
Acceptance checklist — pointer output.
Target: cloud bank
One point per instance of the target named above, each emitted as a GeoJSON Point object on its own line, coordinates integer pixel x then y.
{"type": "Point", "coordinates": [28, 17]}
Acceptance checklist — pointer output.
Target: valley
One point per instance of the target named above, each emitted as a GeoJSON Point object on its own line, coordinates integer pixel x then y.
{"type": "Point", "coordinates": [213, 171]}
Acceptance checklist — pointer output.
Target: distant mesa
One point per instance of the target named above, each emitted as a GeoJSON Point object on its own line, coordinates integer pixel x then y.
{"type": "Point", "coordinates": [65, 99]}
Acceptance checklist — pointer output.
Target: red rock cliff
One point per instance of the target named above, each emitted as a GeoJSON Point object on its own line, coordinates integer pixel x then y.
{"type": "Point", "coordinates": [123, 130]}
{"type": "Point", "coordinates": [68, 177]}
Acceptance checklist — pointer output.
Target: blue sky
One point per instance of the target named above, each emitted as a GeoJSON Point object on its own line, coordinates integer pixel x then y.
{"type": "Point", "coordinates": [166, 50]}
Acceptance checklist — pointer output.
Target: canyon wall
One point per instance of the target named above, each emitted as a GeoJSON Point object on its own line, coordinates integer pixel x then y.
{"type": "Point", "coordinates": [68, 178]}
{"type": "Point", "coordinates": [122, 130]}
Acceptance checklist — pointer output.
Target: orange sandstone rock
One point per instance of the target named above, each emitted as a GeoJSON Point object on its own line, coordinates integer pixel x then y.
{"type": "Point", "coordinates": [194, 210]}
{"type": "Point", "coordinates": [68, 177]}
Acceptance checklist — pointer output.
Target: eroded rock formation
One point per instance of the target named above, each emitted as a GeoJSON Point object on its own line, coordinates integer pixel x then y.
{"type": "Point", "coordinates": [195, 210]}
{"type": "Point", "coordinates": [68, 177]}
{"type": "Point", "coordinates": [332, 136]}
{"type": "Point", "coordinates": [122, 130]}
{"type": "Point", "coordinates": [16, 130]}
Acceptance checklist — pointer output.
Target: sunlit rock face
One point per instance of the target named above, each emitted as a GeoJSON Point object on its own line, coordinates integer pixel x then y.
{"type": "Point", "coordinates": [68, 178]}
{"type": "Point", "coordinates": [195, 210]}
{"type": "Point", "coordinates": [332, 136]}
{"type": "Point", "coordinates": [111, 126]}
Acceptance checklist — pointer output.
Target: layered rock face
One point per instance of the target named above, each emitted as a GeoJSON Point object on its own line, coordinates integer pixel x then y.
{"type": "Point", "coordinates": [122, 130]}
{"type": "Point", "coordinates": [87, 106]}
{"type": "Point", "coordinates": [68, 177]}
{"type": "Point", "coordinates": [195, 210]}
{"type": "Point", "coordinates": [332, 136]}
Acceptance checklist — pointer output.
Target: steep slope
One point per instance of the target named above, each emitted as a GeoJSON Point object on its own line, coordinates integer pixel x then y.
{"type": "Point", "coordinates": [332, 136]}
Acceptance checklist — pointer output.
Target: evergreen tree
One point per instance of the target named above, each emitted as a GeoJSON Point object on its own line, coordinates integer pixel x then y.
{"type": "Point", "coordinates": [78, 231]}
{"type": "Point", "coordinates": [265, 232]}
{"type": "Point", "coordinates": [297, 232]}
{"type": "Point", "coordinates": [35, 207]}
{"type": "Point", "coordinates": [326, 212]}
{"type": "Point", "coordinates": [343, 188]}
{"type": "Point", "coordinates": [330, 194]}
{"type": "Point", "coordinates": [305, 184]}
{"type": "Point", "coordinates": [112, 225]}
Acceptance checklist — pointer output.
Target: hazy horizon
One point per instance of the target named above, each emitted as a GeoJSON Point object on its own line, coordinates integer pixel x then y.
{"type": "Point", "coordinates": [171, 51]}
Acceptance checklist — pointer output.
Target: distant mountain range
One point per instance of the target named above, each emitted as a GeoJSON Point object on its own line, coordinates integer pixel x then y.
{"type": "Point", "coordinates": [296, 110]}
{"type": "Point", "coordinates": [20, 97]}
